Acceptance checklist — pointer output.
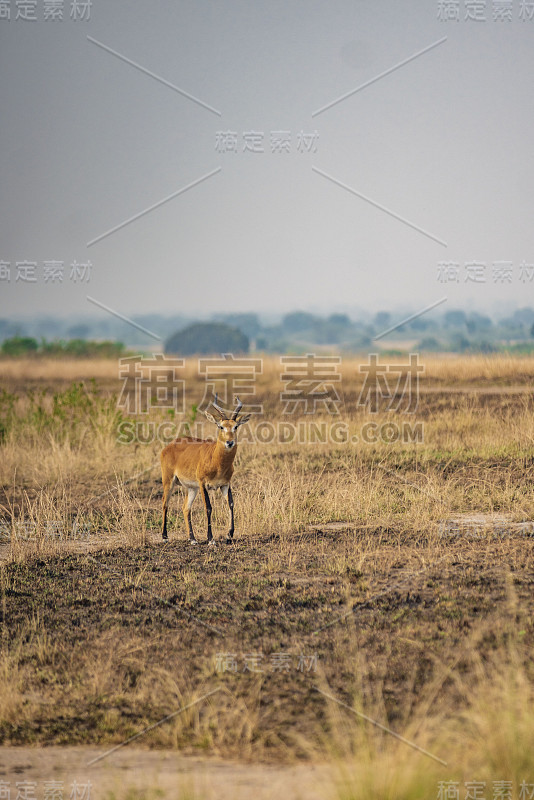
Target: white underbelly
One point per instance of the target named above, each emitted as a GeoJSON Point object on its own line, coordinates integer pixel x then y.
{"type": "Point", "coordinates": [186, 483]}
{"type": "Point", "coordinates": [216, 484]}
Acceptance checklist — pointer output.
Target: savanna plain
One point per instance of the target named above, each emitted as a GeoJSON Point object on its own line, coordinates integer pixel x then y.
{"type": "Point", "coordinates": [371, 627]}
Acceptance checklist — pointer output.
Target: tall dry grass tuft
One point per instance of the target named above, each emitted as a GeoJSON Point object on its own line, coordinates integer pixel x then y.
{"type": "Point", "coordinates": [489, 740]}
{"type": "Point", "coordinates": [11, 673]}
{"type": "Point", "coordinates": [11, 683]}
{"type": "Point", "coordinates": [30, 647]}
{"type": "Point", "coordinates": [361, 744]}
{"type": "Point", "coordinates": [496, 730]}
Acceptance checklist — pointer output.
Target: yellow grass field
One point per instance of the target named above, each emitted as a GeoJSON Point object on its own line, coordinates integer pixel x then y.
{"type": "Point", "coordinates": [380, 584]}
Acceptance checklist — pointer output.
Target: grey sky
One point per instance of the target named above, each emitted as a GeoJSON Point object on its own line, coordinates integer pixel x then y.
{"type": "Point", "coordinates": [443, 142]}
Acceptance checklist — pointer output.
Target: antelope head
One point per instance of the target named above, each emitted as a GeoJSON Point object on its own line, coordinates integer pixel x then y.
{"type": "Point", "coordinates": [227, 426]}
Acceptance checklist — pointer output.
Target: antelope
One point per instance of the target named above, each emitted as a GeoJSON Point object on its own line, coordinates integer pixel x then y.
{"type": "Point", "coordinates": [197, 464]}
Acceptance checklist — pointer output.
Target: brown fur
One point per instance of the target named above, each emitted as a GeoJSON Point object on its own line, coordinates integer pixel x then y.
{"type": "Point", "coordinates": [199, 464]}
{"type": "Point", "coordinates": [197, 460]}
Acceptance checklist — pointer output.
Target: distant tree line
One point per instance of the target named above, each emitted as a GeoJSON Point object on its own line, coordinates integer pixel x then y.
{"type": "Point", "coordinates": [18, 346]}
{"type": "Point", "coordinates": [207, 337]}
{"type": "Point", "coordinates": [451, 330]}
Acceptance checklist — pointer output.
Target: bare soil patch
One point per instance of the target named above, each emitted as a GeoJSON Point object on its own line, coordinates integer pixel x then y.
{"type": "Point", "coordinates": [149, 774]}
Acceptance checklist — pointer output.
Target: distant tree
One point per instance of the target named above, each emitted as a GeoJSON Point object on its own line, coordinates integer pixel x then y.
{"type": "Point", "coordinates": [297, 321]}
{"type": "Point", "coordinates": [248, 323]}
{"type": "Point", "coordinates": [20, 346]}
{"type": "Point", "coordinates": [207, 337]}
{"type": "Point", "coordinates": [459, 343]}
{"type": "Point", "coordinates": [419, 324]}
{"type": "Point", "coordinates": [382, 319]}
{"type": "Point", "coordinates": [532, 330]}
{"type": "Point", "coordinates": [323, 332]}
{"type": "Point", "coordinates": [525, 316]}
{"type": "Point", "coordinates": [7, 329]}
{"type": "Point", "coordinates": [477, 322]}
{"type": "Point", "coordinates": [483, 346]}
{"type": "Point", "coordinates": [279, 346]}
{"type": "Point", "coordinates": [520, 348]}
{"type": "Point", "coordinates": [84, 349]}
{"type": "Point", "coordinates": [48, 327]}
{"type": "Point", "coordinates": [510, 324]}
{"type": "Point", "coordinates": [78, 332]}
{"type": "Point", "coordinates": [341, 320]}
{"type": "Point", "coordinates": [430, 344]}
{"type": "Point", "coordinates": [165, 326]}
{"type": "Point", "coordinates": [81, 348]}
{"type": "Point", "coordinates": [360, 342]}
{"type": "Point", "coordinates": [455, 318]}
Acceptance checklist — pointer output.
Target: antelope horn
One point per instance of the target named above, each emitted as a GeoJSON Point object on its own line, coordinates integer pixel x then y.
{"type": "Point", "coordinates": [218, 408]}
{"type": "Point", "coordinates": [238, 408]}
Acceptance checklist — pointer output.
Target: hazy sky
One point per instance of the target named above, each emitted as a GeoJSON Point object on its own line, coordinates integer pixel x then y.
{"type": "Point", "coordinates": [435, 158]}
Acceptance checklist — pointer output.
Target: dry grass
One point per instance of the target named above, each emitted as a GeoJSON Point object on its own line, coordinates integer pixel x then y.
{"type": "Point", "coordinates": [443, 659]}
{"type": "Point", "coordinates": [447, 367]}
{"type": "Point", "coordinates": [489, 741]}
{"type": "Point", "coordinates": [51, 370]}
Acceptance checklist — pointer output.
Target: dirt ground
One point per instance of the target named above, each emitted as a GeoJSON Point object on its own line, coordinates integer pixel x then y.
{"type": "Point", "coordinates": [149, 773]}
{"type": "Point", "coordinates": [118, 638]}
{"type": "Point", "coordinates": [398, 581]}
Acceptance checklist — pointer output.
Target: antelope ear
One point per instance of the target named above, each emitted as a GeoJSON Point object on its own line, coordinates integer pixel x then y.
{"type": "Point", "coordinates": [243, 419]}
{"type": "Point", "coordinates": [211, 417]}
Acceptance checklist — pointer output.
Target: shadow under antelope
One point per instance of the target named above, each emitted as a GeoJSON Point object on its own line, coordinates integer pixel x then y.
{"type": "Point", "coordinates": [199, 465]}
